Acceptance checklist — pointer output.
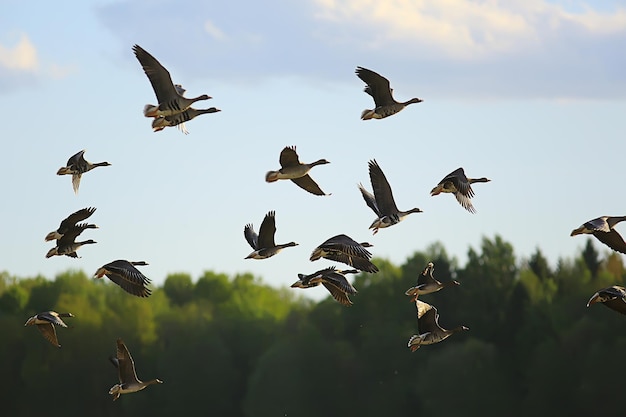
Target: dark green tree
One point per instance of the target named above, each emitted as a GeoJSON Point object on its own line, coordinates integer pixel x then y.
{"type": "Point", "coordinates": [539, 265]}
{"type": "Point", "coordinates": [178, 288]}
{"type": "Point", "coordinates": [592, 258]}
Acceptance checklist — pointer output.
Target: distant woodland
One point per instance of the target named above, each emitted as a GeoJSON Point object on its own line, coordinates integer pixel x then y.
{"type": "Point", "coordinates": [233, 346]}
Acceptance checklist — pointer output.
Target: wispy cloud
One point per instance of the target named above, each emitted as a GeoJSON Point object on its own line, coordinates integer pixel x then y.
{"type": "Point", "coordinates": [57, 72]}
{"type": "Point", "coordinates": [20, 57]}
{"type": "Point", "coordinates": [463, 29]}
{"type": "Point", "coordinates": [21, 67]}
{"type": "Point", "coordinates": [460, 29]}
{"type": "Point", "coordinates": [214, 31]}
{"type": "Point", "coordinates": [466, 48]}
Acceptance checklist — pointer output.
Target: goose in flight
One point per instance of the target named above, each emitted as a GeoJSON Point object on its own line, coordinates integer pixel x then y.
{"type": "Point", "coordinates": [430, 332]}
{"type": "Point", "coordinates": [603, 228]}
{"type": "Point", "coordinates": [382, 201]}
{"type": "Point", "coordinates": [170, 101]}
{"type": "Point", "coordinates": [458, 184]}
{"type": "Point", "coordinates": [45, 324]}
{"type": "Point", "coordinates": [294, 170]}
{"type": "Point", "coordinates": [67, 245]}
{"type": "Point", "coordinates": [124, 274]}
{"type": "Point", "coordinates": [179, 119]}
{"type": "Point", "coordinates": [263, 243]}
{"type": "Point", "coordinates": [344, 249]}
{"type": "Point", "coordinates": [427, 284]}
{"type": "Point", "coordinates": [126, 373]}
{"type": "Point", "coordinates": [77, 166]}
{"type": "Point", "coordinates": [70, 221]}
{"type": "Point", "coordinates": [378, 87]}
{"type": "Point", "coordinates": [613, 297]}
{"type": "Point", "coordinates": [334, 280]}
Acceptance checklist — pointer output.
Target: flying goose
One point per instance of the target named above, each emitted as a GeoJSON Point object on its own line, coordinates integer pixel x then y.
{"type": "Point", "coordinates": [430, 331]}
{"type": "Point", "coordinates": [294, 170]}
{"type": "Point", "coordinates": [457, 183]}
{"type": "Point", "coordinates": [45, 324]}
{"type": "Point", "coordinates": [334, 280]}
{"type": "Point", "coordinates": [170, 100]}
{"type": "Point", "coordinates": [67, 244]}
{"type": "Point", "coordinates": [126, 373]}
{"type": "Point", "coordinates": [179, 119]}
{"type": "Point", "coordinates": [603, 229]}
{"type": "Point", "coordinates": [613, 297]}
{"type": "Point", "coordinates": [77, 166]}
{"type": "Point", "coordinates": [427, 284]}
{"type": "Point", "coordinates": [263, 243]}
{"type": "Point", "coordinates": [181, 126]}
{"type": "Point", "coordinates": [344, 249]}
{"type": "Point", "coordinates": [382, 202]}
{"type": "Point", "coordinates": [124, 274]}
{"type": "Point", "coordinates": [70, 221]}
{"type": "Point", "coordinates": [378, 88]}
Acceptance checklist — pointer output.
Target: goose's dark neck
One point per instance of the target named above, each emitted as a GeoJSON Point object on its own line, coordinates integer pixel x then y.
{"type": "Point", "coordinates": [473, 180]}
{"type": "Point", "coordinates": [413, 100]}
{"type": "Point", "coordinates": [318, 162]}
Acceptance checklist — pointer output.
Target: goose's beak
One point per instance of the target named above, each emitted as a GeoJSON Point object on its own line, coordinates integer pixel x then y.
{"type": "Point", "coordinates": [436, 190]}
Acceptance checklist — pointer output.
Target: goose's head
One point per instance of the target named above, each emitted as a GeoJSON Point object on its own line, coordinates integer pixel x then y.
{"type": "Point", "coordinates": [65, 171]}
{"type": "Point", "coordinates": [299, 283]}
{"type": "Point", "coordinates": [578, 231]}
{"type": "Point", "coordinates": [303, 282]}
{"type": "Point", "coordinates": [52, 236]}
{"type": "Point", "coordinates": [271, 176]}
{"type": "Point", "coordinates": [596, 298]}
{"type": "Point", "coordinates": [159, 123]}
{"type": "Point", "coordinates": [437, 190]}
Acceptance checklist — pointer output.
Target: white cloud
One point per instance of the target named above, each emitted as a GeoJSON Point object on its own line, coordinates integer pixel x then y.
{"type": "Point", "coordinates": [460, 48]}
{"type": "Point", "coordinates": [21, 57]}
{"type": "Point", "coordinates": [20, 66]}
{"type": "Point", "coordinates": [464, 29]}
{"type": "Point", "coordinates": [598, 23]}
{"type": "Point", "coordinates": [213, 30]}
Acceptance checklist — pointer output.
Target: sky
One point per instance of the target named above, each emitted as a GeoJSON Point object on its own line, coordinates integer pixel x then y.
{"type": "Point", "coordinates": [529, 93]}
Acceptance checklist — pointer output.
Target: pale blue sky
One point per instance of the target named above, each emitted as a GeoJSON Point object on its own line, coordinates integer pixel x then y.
{"type": "Point", "coordinates": [531, 94]}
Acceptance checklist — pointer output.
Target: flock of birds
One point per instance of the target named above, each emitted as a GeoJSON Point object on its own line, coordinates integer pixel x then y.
{"type": "Point", "coordinates": [173, 109]}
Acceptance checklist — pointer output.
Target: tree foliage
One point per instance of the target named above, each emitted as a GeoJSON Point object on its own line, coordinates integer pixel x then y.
{"type": "Point", "coordinates": [235, 346]}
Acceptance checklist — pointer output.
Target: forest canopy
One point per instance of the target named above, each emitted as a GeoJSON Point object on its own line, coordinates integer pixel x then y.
{"type": "Point", "coordinates": [235, 346]}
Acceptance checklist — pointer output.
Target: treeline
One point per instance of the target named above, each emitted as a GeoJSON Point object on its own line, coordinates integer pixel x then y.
{"type": "Point", "coordinates": [234, 347]}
